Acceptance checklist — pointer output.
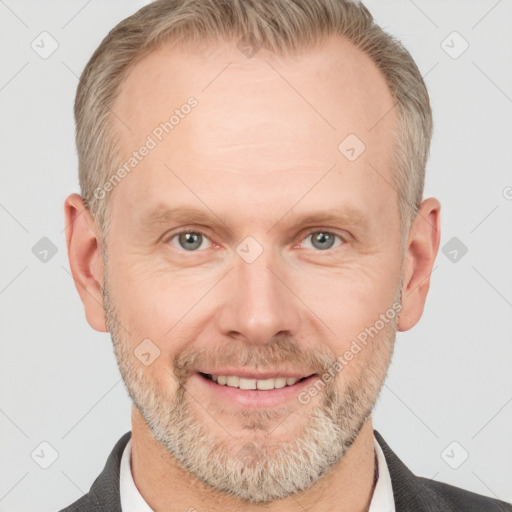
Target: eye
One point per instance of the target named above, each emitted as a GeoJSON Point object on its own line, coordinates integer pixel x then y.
{"type": "Point", "coordinates": [190, 240]}
{"type": "Point", "coordinates": [322, 240]}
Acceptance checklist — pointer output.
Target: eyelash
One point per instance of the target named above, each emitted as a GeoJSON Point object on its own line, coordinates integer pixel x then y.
{"type": "Point", "coordinates": [308, 234]}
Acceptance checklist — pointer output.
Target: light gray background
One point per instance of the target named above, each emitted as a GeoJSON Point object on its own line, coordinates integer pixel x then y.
{"type": "Point", "coordinates": [451, 377]}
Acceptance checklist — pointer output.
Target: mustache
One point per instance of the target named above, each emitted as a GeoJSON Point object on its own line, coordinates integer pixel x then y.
{"type": "Point", "coordinates": [281, 352]}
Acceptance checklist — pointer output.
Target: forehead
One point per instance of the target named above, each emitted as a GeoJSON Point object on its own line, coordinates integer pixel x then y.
{"type": "Point", "coordinates": [257, 121]}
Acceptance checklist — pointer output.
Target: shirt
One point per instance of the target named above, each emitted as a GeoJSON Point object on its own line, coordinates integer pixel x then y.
{"type": "Point", "coordinates": [132, 500]}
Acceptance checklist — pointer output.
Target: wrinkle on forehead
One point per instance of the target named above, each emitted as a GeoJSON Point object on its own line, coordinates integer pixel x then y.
{"type": "Point", "coordinates": [262, 126]}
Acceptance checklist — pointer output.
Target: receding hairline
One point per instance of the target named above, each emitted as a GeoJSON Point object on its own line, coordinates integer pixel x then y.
{"type": "Point", "coordinates": [281, 26]}
{"type": "Point", "coordinates": [185, 49]}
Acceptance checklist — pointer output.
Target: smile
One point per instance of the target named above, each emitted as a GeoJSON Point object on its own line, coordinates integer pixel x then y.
{"type": "Point", "coordinates": [249, 392]}
{"type": "Point", "coordinates": [261, 384]}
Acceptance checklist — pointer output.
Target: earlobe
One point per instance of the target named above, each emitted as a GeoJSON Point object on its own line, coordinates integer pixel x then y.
{"type": "Point", "coordinates": [85, 259]}
{"type": "Point", "coordinates": [420, 254]}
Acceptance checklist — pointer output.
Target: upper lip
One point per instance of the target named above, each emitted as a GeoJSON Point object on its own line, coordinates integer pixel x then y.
{"type": "Point", "coordinates": [247, 374]}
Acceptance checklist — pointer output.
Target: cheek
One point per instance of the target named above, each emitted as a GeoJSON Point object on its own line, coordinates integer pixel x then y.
{"type": "Point", "coordinates": [349, 299]}
{"type": "Point", "coordinates": [140, 306]}
{"type": "Point", "coordinates": [158, 305]}
{"type": "Point", "coordinates": [348, 305]}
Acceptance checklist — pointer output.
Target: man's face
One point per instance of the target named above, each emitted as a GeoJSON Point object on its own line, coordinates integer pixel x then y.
{"type": "Point", "coordinates": [293, 250]}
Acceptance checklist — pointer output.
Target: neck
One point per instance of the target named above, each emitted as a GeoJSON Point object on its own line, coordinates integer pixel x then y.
{"type": "Point", "coordinates": [166, 486]}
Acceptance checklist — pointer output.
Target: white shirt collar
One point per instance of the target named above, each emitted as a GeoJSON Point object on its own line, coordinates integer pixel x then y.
{"type": "Point", "coordinates": [132, 500]}
{"type": "Point", "coordinates": [382, 499]}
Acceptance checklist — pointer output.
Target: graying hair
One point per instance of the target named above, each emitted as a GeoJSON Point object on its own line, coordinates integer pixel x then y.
{"type": "Point", "coordinates": [284, 27]}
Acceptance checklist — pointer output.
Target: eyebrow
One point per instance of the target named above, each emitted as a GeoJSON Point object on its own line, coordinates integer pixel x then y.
{"type": "Point", "coordinates": [162, 216]}
{"type": "Point", "coordinates": [346, 215]}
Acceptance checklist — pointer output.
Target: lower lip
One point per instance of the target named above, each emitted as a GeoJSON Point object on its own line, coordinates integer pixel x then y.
{"type": "Point", "coordinates": [254, 398]}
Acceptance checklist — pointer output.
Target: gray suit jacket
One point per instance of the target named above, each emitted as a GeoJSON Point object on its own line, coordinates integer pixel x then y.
{"type": "Point", "coordinates": [412, 493]}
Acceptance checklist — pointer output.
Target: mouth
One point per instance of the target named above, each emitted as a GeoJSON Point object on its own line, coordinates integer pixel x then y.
{"type": "Point", "coordinates": [247, 383]}
{"type": "Point", "coordinates": [251, 393]}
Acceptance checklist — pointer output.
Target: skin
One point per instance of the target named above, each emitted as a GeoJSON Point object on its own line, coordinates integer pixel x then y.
{"type": "Point", "coordinates": [254, 155]}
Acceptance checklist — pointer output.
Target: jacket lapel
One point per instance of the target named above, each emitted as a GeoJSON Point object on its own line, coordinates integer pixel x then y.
{"type": "Point", "coordinates": [410, 494]}
{"type": "Point", "coordinates": [104, 494]}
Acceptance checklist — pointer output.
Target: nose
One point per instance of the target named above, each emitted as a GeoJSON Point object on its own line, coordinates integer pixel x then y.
{"type": "Point", "coordinates": [258, 301]}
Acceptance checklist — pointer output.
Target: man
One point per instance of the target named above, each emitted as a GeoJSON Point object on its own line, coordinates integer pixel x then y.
{"type": "Point", "coordinates": [252, 232]}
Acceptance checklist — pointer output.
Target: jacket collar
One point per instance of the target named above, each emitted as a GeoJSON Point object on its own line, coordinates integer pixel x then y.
{"type": "Point", "coordinates": [104, 493]}
{"type": "Point", "coordinates": [410, 492]}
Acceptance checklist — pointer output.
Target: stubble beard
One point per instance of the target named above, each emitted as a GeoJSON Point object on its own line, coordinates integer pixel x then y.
{"type": "Point", "coordinates": [256, 469]}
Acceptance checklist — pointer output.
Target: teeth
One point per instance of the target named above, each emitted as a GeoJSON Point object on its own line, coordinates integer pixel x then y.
{"type": "Point", "coordinates": [279, 383]}
{"type": "Point", "coordinates": [232, 381]}
{"type": "Point", "coordinates": [247, 384]}
{"type": "Point", "coordinates": [265, 384]}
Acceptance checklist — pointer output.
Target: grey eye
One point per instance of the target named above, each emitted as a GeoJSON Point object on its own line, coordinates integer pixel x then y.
{"type": "Point", "coordinates": [189, 240]}
{"type": "Point", "coordinates": [322, 240]}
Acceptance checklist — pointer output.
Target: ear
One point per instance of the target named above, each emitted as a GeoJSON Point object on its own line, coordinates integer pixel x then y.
{"type": "Point", "coordinates": [420, 254]}
{"type": "Point", "coordinates": [85, 259]}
